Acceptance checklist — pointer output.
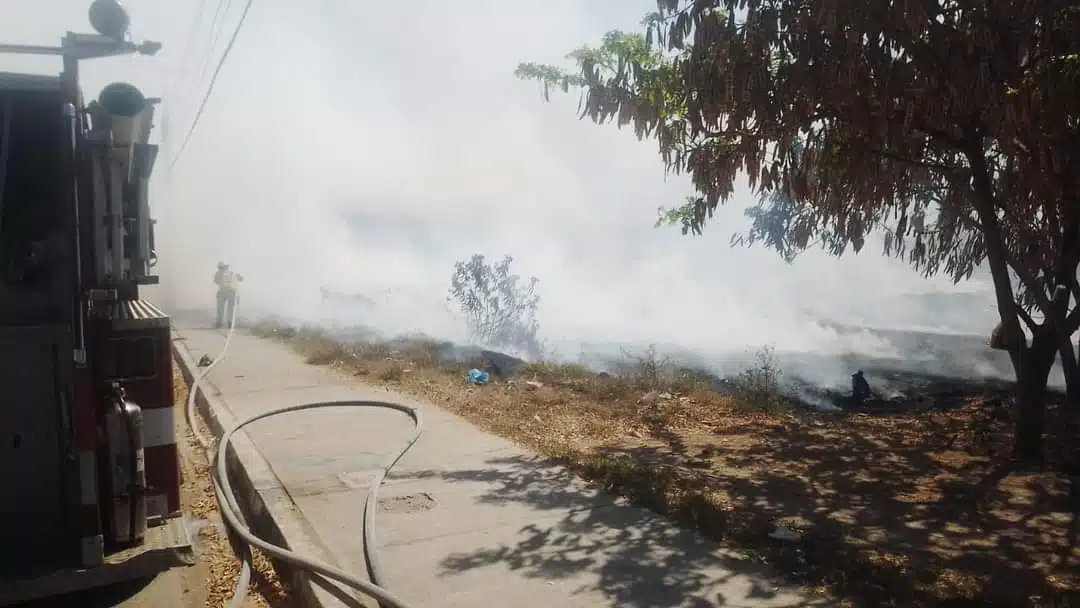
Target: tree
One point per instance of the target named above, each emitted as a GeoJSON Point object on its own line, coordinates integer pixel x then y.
{"type": "Point", "coordinates": [951, 126]}
{"type": "Point", "coordinates": [500, 310]}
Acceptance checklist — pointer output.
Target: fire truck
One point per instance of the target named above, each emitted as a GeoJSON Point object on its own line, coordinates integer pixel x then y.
{"type": "Point", "coordinates": [88, 453]}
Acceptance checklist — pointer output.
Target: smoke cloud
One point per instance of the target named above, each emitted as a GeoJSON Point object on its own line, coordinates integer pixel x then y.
{"type": "Point", "coordinates": [368, 146]}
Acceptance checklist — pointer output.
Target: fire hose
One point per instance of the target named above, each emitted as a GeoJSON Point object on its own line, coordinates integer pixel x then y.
{"type": "Point", "coordinates": [234, 520]}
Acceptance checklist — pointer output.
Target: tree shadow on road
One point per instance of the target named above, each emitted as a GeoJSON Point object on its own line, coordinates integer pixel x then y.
{"type": "Point", "coordinates": [638, 559]}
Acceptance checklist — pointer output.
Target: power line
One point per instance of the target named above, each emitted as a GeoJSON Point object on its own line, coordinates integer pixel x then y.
{"type": "Point", "coordinates": [210, 89]}
{"type": "Point", "coordinates": [217, 27]}
{"type": "Point", "coordinates": [194, 33]}
{"type": "Point", "coordinates": [184, 63]}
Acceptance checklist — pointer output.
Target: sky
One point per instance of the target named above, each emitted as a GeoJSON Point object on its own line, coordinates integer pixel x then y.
{"type": "Point", "coordinates": [368, 146]}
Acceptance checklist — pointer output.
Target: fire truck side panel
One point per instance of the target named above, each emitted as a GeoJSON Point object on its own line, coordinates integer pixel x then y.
{"type": "Point", "coordinates": [39, 514]}
{"type": "Point", "coordinates": [33, 518]}
{"type": "Point", "coordinates": [132, 339]}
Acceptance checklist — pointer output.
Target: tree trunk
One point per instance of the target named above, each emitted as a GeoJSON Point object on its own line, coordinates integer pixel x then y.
{"type": "Point", "coordinates": [1071, 371]}
{"type": "Point", "coordinates": [1032, 372]}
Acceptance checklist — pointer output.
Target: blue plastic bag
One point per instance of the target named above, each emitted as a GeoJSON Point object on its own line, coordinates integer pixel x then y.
{"type": "Point", "coordinates": [478, 377]}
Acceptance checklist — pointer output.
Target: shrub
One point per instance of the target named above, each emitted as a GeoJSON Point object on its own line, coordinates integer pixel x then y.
{"type": "Point", "coordinates": [759, 386]}
{"type": "Point", "coordinates": [499, 308]}
{"type": "Point", "coordinates": [325, 352]}
{"type": "Point", "coordinates": [393, 373]}
{"type": "Point", "coordinates": [545, 371]}
{"type": "Point", "coordinates": [649, 371]}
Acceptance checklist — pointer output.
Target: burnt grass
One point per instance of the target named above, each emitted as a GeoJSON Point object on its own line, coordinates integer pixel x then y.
{"type": "Point", "coordinates": [906, 501]}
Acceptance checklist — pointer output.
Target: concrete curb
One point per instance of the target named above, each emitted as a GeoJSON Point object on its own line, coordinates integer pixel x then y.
{"type": "Point", "coordinates": [265, 503]}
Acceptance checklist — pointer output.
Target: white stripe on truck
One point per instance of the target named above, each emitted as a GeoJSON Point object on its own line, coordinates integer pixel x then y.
{"type": "Point", "coordinates": [159, 427]}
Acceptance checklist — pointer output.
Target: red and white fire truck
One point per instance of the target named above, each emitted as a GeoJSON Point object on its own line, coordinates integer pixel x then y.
{"type": "Point", "coordinates": [88, 453]}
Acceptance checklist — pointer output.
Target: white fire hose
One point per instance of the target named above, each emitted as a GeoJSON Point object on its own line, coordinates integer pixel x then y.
{"type": "Point", "coordinates": [231, 513]}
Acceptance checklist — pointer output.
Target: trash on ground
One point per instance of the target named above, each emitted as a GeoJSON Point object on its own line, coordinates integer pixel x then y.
{"type": "Point", "coordinates": [478, 377]}
{"type": "Point", "coordinates": [786, 534]}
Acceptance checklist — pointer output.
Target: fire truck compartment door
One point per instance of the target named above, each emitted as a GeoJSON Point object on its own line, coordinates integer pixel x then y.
{"type": "Point", "coordinates": [33, 533]}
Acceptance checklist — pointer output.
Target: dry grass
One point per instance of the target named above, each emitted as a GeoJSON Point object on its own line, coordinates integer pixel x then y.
{"type": "Point", "coordinates": [267, 591]}
{"type": "Point", "coordinates": [899, 510]}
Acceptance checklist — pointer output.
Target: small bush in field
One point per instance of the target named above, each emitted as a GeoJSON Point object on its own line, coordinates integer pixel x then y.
{"type": "Point", "coordinates": [499, 308]}
{"type": "Point", "coordinates": [759, 386]}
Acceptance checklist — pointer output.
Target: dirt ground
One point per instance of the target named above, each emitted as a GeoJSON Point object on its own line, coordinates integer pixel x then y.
{"type": "Point", "coordinates": [910, 509]}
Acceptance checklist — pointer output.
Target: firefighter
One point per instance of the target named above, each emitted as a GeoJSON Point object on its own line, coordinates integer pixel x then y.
{"type": "Point", "coordinates": [860, 388]}
{"type": "Point", "coordinates": [226, 281]}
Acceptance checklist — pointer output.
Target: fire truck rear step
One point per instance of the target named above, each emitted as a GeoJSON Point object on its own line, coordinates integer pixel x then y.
{"type": "Point", "coordinates": [168, 545]}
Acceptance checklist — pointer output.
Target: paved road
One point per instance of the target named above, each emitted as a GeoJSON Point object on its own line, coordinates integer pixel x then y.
{"type": "Point", "coordinates": [467, 520]}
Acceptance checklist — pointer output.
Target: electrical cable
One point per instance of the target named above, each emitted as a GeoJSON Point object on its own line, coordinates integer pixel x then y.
{"type": "Point", "coordinates": [210, 88]}
{"type": "Point", "coordinates": [184, 63]}
{"type": "Point", "coordinates": [232, 515]}
{"type": "Point", "coordinates": [193, 34]}
{"type": "Point", "coordinates": [217, 27]}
